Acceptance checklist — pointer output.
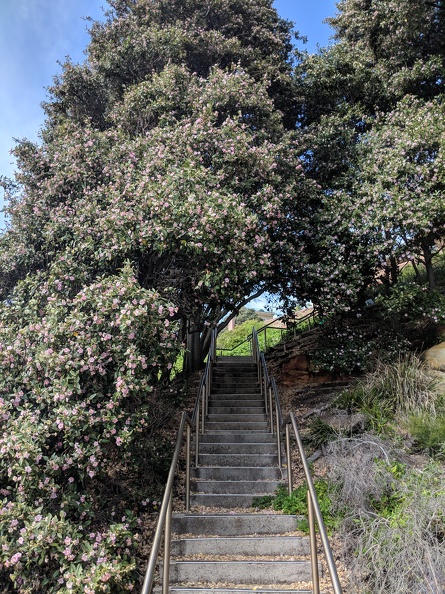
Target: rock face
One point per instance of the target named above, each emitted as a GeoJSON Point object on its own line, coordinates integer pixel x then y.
{"type": "Point", "coordinates": [435, 356]}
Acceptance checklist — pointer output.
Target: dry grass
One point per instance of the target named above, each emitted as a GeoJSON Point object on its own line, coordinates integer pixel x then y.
{"type": "Point", "coordinates": [394, 521]}
{"type": "Point", "coordinates": [406, 385]}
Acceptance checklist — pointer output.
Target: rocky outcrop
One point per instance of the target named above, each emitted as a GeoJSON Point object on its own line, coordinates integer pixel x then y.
{"type": "Point", "coordinates": [435, 356]}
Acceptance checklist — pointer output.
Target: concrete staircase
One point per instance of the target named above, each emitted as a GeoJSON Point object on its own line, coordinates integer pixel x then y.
{"type": "Point", "coordinates": [236, 552]}
{"type": "Point", "coordinates": [238, 456]}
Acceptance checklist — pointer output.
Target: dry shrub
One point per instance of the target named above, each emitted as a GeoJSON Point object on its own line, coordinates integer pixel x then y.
{"type": "Point", "coordinates": [393, 530]}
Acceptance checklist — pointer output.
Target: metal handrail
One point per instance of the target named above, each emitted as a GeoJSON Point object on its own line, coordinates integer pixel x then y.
{"type": "Point", "coordinates": [313, 508]}
{"type": "Point", "coordinates": [273, 408]}
{"type": "Point", "coordinates": [265, 327]}
{"type": "Point", "coordinates": [164, 520]}
{"type": "Point", "coordinates": [165, 514]}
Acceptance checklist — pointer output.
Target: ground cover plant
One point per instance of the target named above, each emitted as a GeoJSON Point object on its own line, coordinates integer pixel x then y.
{"type": "Point", "coordinates": [389, 503]}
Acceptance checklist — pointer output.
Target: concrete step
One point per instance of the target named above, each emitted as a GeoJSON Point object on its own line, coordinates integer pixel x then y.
{"type": "Point", "coordinates": [237, 397]}
{"type": "Point", "coordinates": [232, 473]}
{"type": "Point", "coordinates": [238, 460]}
{"type": "Point", "coordinates": [220, 418]}
{"type": "Point", "coordinates": [238, 448]}
{"type": "Point", "coordinates": [228, 437]}
{"type": "Point", "coordinates": [236, 410]}
{"type": "Point", "coordinates": [235, 360]}
{"type": "Point", "coordinates": [256, 402]}
{"type": "Point", "coordinates": [224, 500]}
{"type": "Point", "coordinates": [241, 487]}
{"type": "Point", "coordinates": [245, 545]}
{"type": "Point", "coordinates": [239, 378]}
{"type": "Point", "coordinates": [234, 388]}
{"type": "Point", "coordinates": [236, 426]}
{"type": "Point", "coordinates": [243, 374]}
{"type": "Point", "coordinates": [232, 380]}
{"type": "Point", "coordinates": [233, 524]}
{"type": "Point", "coordinates": [241, 572]}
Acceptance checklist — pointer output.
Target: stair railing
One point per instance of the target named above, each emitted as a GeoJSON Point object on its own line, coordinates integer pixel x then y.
{"type": "Point", "coordinates": [310, 317]}
{"type": "Point", "coordinates": [313, 509]}
{"type": "Point", "coordinates": [202, 401]}
{"type": "Point", "coordinates": [273, 409]}
{"type": "Point", "coordinates": [187, 424]}
{"type": "Point", "coordinates": [163, 527]}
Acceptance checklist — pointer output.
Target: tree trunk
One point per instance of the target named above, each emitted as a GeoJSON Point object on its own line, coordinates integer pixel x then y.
{"type": "Point", "coordinates": [194, 358]}
{"type": "Point", "coordinates": [428, 261]}
{"type": "Point", "coordinates": [417, 272]}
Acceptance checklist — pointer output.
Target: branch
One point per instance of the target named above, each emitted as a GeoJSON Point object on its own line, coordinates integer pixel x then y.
{"type": "Point", "coordinates": [235, 311]}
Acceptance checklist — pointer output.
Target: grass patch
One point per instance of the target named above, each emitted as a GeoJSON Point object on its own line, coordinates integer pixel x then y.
{"type": "Point", "coordinates": [295, 503]}
{"type": "Point", "coordinates": [429, 433]}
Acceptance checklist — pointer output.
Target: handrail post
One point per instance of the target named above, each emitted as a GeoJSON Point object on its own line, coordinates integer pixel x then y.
{"type": "Point", "coordinates": [322, 529]}
{"type": "Point", "coordinates": [197, 443]}
{"type": "Point", "coordinates": [167, 542]}
{"type": "Point", "coordinates": [277, 421]}
{"type": "Point", "coordinates": [313, 541]}
{"type": "Point", "coordinates": [265, 392]}
{"type": "Point", "coordinates": [271, 409]}
{"type": "Point", "coordinates": [289, 460]}
{"type": "Point", "coordinates": [203, 407]}
{"type": "Point", "coordinates": [207, 390]}
{"type": "Point", "coordinates": [187, 470]}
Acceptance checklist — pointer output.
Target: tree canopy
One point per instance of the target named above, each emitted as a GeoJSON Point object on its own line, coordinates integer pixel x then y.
{"type": "Point", "coordinates": [162, 196]}
{"type": "Point", "coordinates": [372, 121]}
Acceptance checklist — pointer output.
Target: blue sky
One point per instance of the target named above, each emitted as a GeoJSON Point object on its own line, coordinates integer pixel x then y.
{"type": "Point", "coordinates": [36, 34]}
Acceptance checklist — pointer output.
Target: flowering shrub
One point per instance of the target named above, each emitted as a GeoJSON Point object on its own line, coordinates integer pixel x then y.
{"type": "Point", "coordinates": [348, 346]}
{"type": "Point", "coordinates": [77, 392]}
{"type": "Point", "coordinates": [408, 301]}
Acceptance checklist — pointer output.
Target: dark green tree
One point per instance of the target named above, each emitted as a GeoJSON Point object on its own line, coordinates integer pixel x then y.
{"type": "Point", "coordinates": [386, 64]}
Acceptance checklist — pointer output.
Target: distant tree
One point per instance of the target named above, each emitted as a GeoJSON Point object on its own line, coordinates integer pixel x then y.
{"type": "Point", "coordinates": [246, 314]}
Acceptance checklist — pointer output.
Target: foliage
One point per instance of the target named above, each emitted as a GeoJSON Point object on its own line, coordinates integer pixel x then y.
{"type": "Point", "coordinates": [407, 384]}
{"type": "Point", "coordinates": [429, 433]}
{"type": "Point", "coordinates": [372, 122]}
{"type": "Point", "coordinates": [295, 503]}
{"type": "Point", "coordinates": [319, 433]}
{"type": "Point", "coordinates": [246, 314]}
{"type": "Point", "coordinates": [165, 186]}
{"type": "Point", "coordinates": [78, 399]}
{"type": "Point", "coordinates": [167, 148]}
{"type": "Point", "coordinates": [393, 524]}
{"type": "Point", "coordinates": [352, 344]}
{"type": "Point", "coordinates": [409, 301]}
{"type": "Point", "coordinates": [391, 390]}
{"type": "Point", "coordinates": [231, 339]}
{"type": "Point", "coordinates": [412, 273]}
